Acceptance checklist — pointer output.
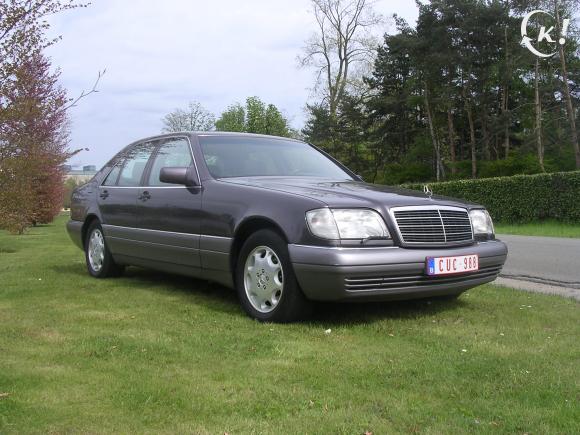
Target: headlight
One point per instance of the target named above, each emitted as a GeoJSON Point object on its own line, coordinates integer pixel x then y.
{"type": "Point", "coordinates": [346, 223]}
{"type": "Point", "coordinates": [481, 222]}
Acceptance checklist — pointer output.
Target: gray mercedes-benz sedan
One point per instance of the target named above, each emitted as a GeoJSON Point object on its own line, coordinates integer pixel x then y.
{"type": "Point", "coordinates": [280, 221]}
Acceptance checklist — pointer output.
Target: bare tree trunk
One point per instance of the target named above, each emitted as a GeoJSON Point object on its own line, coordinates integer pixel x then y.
{"type": "Point", "coordinates": [451, 132]}
{"type": "Point", "coordinates": [472, 140]}
{"type": "Point", "coordinates": [566, 89]}
{"type": "Point", "coordinates": [485, 132]}
{"type": "Point", "coordinates": [538, 109]}
{"type": "Point", "coordinates": [506, 132]}
{"type": "Point", "coordinates": [340, 42]}
{"type": "Point", "coordinates": [471, 134]}
{"type": "Point", "coordinates": [436, 146]}
{"type": "Point", "coordinates": [505, 97]}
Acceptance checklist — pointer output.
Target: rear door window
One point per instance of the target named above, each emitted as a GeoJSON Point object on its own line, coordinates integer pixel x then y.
{"type": "Point", "coordinates": [135, 163]}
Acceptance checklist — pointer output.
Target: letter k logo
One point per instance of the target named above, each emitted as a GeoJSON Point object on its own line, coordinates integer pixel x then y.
{"type": "Point", "coordinates": [545, 35]}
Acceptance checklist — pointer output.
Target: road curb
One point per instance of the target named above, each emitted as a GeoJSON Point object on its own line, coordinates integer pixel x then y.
{"type": "Point", "coordinates": [538, 287]}
{"type": "Point", "coordinates": [541, 280]}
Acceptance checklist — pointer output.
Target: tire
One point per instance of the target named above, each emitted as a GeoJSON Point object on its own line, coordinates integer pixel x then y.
{"type": "Point", "coordinates": [265, 282]}
{"type": "Point", "coordinates": [100, 263]}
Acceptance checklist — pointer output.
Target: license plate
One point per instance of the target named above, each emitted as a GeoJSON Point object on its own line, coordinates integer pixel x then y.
{"type": "Point", "coordinates": [451, 265]}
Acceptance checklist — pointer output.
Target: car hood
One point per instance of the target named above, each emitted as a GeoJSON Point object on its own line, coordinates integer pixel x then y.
{"type": "Point", "coordinates": [348, 193]}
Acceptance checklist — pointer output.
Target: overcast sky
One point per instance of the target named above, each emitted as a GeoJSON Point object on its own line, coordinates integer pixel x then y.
{"type": "Point", "coordinates": [161, 54]}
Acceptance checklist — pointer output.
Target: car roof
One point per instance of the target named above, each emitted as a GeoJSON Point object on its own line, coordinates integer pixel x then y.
{"type": "Point", "coordinates": [213, 133]}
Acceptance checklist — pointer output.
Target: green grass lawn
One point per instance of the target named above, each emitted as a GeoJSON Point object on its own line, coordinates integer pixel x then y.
{"type": "Point", "coordinates": [544, 228]}
{"type": "Point", "coordinates": [156, 353]}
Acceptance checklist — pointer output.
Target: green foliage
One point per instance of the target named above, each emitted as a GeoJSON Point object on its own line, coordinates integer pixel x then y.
{"type": "Point", "coordinates": [455, 90]}
{"type": "Point", "coordinates": [515, 164]}
{"type": "Point", "coordinates": [397, 173]}
{"type": "Point", "coordinates": [521, 198]}
{"type": "Point", "coordinates": [233, 119]}
{"type": "Point", "coordinates": [69, 185]}
{"type": "Point", "coordinates": [345, 136]}
{"type": "Point", "coordinates": [255, 117]}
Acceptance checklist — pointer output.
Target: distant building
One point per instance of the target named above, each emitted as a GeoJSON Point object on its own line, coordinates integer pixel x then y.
{"type": "Point", "coordinates": [80, 175]}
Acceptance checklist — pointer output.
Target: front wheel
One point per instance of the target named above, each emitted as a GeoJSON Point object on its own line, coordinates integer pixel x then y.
{"type": "Point", "coordinates": [100, 263]}
{"type": "Point", "coordinates": [265, 281]}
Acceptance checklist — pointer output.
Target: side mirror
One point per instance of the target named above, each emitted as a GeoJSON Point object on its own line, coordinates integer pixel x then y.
{"type": "Point", "coordinates": [177, 175]}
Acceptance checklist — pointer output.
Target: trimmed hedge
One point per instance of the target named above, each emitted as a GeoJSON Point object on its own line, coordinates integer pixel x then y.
{"type": "Point", "coordinates": [520, 198]}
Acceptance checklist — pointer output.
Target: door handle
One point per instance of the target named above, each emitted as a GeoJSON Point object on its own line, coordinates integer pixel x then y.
{"type": "Point", "coordinates": [145, 196]}
{"type": "Point", "coordinates": [104, 194]}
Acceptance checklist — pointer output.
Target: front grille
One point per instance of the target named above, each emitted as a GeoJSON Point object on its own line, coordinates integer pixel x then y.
{"type": "Point", "coordinates": [433, 225]}
{"type": "Point", "coordinates": [406, 281]}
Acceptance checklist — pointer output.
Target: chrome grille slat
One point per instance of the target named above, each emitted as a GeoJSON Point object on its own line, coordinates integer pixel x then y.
{"type": "Point", "coordinates": [430, 225]}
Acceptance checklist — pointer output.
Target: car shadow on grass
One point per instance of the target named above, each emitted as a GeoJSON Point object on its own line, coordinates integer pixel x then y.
{"type": "Point", "coordinates": [224, 300]}
{"type": "Point", "coordinates": [164, 282]}
{"type": "Point", "coordinates": [218, 297]}
{"type": "Point", "coordinates": [330, 313]}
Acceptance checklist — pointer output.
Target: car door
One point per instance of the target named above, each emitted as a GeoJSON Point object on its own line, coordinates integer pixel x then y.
{"type": "Point", "coordinates": [169, 215]}
{"type": "Point", "coordinates": [117, 197]}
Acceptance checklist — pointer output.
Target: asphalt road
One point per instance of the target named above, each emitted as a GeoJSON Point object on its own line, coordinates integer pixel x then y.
{"type": "Point", "coordinates": [553, 261]}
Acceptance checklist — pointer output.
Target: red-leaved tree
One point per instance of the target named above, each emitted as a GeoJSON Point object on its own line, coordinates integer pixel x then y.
{"type": "Point", "coordinates": [33, 116]}
{"type": "Point", "coordinates": [35, 134]}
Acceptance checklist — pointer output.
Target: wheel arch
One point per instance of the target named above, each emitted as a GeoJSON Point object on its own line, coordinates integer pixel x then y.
{"type": "Point", "coordinates": [88, 221]}
{"type": "Point", "coordinates": [244, 230]}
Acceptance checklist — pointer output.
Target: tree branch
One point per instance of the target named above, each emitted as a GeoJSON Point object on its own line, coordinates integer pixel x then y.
{"type": "Point", "coordinates": [85, 93]}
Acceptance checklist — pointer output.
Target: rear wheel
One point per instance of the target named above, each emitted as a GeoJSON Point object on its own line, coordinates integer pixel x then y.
{"type": "Point", "coordinates": [265, 281]}
{"type": "Point", "coordinates": [100, 263]}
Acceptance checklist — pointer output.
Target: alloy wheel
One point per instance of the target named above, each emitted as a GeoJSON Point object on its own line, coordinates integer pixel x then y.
{"type": "Point", "coordinates": [263, 279]}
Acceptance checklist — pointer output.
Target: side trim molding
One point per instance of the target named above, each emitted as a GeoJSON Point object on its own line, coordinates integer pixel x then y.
{"type": "Point", "coordinates": [204, 242]}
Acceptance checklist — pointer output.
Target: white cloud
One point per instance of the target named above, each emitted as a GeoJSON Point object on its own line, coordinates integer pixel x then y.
{"type": "Point", "coordinates": [160, 55]}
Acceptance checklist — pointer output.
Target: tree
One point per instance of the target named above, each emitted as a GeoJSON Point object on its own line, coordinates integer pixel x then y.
{"type": "Point", "coordinates": [350, 139]}
{"type": "Point", "coordinates": [458, 91]}
{"type": "Point", "coordinates": [393, 103]}
{"type": "Point", "coordinates": [33, 116]}
{"type": "Point", "coordinates": [35, 146]}
{"type": "Point", "coordinates": [233, 119]}
{"type": "Point", "coordinates": [255, 117]}
{"type": "Point", "coordinates": [342, 42]}
{"type": "Point", "coordinates": [566, 89]}
{"type": "Point", "coordinates": [22, 26]}
{"type": "Point", "coordinates": [194, 118]}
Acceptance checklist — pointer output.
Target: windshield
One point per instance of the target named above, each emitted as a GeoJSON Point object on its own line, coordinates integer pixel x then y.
{"type": "Point", "coordinates": [239, 156]}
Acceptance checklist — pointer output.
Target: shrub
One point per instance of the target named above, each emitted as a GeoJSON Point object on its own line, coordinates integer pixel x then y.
{"type": "Point", "coordinates": [520, 198]}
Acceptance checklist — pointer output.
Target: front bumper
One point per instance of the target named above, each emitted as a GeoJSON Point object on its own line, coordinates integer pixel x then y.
{"type": "Point", "coordinates": [388, 273]}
